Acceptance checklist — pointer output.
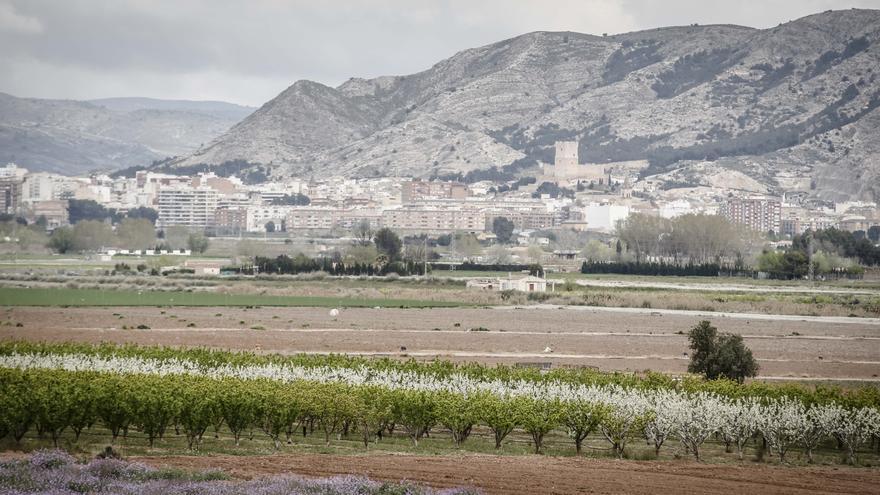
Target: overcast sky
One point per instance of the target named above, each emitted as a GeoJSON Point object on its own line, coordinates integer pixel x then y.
{"type": "Point", "coordinates": [248, 51]}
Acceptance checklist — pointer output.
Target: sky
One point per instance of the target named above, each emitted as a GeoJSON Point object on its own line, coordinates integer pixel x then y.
{"type": "Point", "coordinates": [248, 51]}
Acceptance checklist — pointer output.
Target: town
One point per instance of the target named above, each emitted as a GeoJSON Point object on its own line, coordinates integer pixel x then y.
{"type": "Point", "coordinates": [568, 196]}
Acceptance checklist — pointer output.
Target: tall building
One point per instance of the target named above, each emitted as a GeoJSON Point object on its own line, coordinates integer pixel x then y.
{"type": "Point", "coordinates": [759, 214]}
{"type": "Point", "coordinates": [10, 194]}
{"type": "Point", "coordinates": [187, 206]}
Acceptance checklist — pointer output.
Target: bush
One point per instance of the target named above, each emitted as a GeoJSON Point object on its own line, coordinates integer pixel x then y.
{"type": "Point", "coordinates": [719, 355]}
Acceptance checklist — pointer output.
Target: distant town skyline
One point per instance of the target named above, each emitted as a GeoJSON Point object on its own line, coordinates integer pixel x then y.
{"type": "Point", "coordinates": [248, 52]}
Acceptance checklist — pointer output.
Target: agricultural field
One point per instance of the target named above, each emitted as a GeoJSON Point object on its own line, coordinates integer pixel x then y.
{"type": "Point", "coordinates": [703, 294]}
{"type": "Point", "coordinates": [423, 352]}
{"type": "Point", "coordinates": [170, 408]}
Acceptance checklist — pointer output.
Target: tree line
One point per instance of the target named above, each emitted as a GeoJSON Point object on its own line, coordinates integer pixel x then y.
{"type": "Point", "coordinates": [285, 265]}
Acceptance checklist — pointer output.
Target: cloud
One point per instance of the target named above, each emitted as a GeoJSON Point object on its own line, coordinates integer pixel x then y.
{"type": "Point", "coordinates": [12, 21]}
{"type": "Point", "coordinates": [248, 51]}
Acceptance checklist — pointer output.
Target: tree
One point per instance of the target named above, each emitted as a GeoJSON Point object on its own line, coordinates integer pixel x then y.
{"type": "Point", "coordinates": [581, 418]}
{"type": "Point", "coordinates": [270, 226]}
{"type": "Point", "coordinates": [364, 255]}
{"type": "Point", "coordinates": [176, 236]}
{"type": "Point", "coordinates": [363, 233]}
{"type": "Point", "coordinates": [499, 255]}
{"type": "Point", "coordinates": [538, 417]}
{"type": "Point", "coordinates": [388, 243]}
{"type": "Point", "coordinates": [136, 233]}
{"type": "Point", "coordinates": [598, 251]}
{"type": "Point", "coordinates": [467, 245]}
{"type": "Point", "coordinates": [642, 234]}
{"type": "Point", "coordinates": [143, 212]}
{"type": "Point", "coordinates": [197, 242]}
{"type": "Point", "coordinates": [86, 209]}
{"type": "Point", "coordinates": [503, 229]}
{"type": "Point", "coordinates": [89, 235]}
{"type": "Point", "coordinates": [874, 233]}
{"type": "Point", "coordinates": [719, 355]}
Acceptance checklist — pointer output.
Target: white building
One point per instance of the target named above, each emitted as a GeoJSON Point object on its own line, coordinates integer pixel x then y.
{"type": "Point", "coordinates": [44, 186]}
{"type": "Point", "coordinates": [604, 216]}
{"type": "Point", "coordinates": [527, 283]}
{"type": "Point", "coordinates": [677, 208]}
{"type": "Point", "coordinates": [187, 206]}
{"type": "Point", "coordinates": [12, 171]}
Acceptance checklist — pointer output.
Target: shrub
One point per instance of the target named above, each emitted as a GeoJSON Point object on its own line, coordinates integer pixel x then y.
{"type": "Point", "coordinates": [720, 355]}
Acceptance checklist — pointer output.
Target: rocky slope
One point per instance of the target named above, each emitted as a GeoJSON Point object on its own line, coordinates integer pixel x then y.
{"type": "Point", "coordinates": [74, 137]}
{"type": "Point", "coordinates": [794, 106]}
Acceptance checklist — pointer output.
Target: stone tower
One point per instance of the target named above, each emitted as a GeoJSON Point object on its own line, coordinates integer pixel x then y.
{"type": "Point", "coordinates": [566, 160]}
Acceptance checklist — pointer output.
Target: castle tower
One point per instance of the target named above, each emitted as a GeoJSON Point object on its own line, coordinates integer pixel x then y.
{"type": "Point", "coordinates": [566, 160]}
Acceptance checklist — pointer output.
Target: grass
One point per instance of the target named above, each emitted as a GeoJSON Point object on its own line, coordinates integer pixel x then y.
{"type": "Point", "coordinates": [518, 443]}
{"type": "Point", "coordinates": [94, 297]}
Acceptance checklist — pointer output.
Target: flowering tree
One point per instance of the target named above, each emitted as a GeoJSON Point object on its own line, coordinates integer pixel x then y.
{"type": "Point", "coordinates": [739, 422]}
{"type": "Point", "coordinates": [782, 423]}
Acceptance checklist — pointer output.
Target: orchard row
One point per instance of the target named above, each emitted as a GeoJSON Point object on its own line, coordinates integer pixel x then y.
{"type": "Point", "coordinates": [56, 392]}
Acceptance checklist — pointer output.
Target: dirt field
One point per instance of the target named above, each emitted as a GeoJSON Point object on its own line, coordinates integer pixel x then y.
{"type": "Point", "coordinates": [610, 339]}
{"type": "Point", "coordinates": [548, 475]}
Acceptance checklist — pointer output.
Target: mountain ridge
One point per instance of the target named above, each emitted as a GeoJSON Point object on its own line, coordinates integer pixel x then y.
{"type": "Point", "coordinates": [75, 137]}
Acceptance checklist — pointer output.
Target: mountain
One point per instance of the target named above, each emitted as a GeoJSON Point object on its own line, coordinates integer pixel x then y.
{"type": "Point", "coordinates": [219, 109]}
{"type": "Point", "coordinates": [74, 137]}
{"type": "Point", "coordinates": [790, 107]}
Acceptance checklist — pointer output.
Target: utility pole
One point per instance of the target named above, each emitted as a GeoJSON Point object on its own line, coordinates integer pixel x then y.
{"type": "Point", "coordinates": [812, 272]}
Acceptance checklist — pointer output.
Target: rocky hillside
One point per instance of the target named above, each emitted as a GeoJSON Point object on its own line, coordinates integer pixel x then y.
{"type": "Point", "coordinates": [74, 137]}
{"type": "Point", "coordinates": [791, 107]}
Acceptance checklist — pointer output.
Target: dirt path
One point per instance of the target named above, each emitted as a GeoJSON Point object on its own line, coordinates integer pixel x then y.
{"type": "Point", "coordinates": [607, 339]}
{"type": "Point", "coordinates": [548, 475]}
{"type": "Point", "coordinates": [788, 289]}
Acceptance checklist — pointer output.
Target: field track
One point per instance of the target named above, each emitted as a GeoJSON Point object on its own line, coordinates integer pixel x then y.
{"type": "Point", "coordinates": [548, 475]}
{"type": "Point", "coordinates": [789, 348]}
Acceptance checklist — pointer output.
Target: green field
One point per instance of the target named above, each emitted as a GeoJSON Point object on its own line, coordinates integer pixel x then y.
{"type": "Point", "coordinates": [94, 297]}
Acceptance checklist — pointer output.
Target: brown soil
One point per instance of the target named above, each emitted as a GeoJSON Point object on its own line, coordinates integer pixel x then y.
{"type": "Point", "coordinates": [604, 339]}
{"type": "Point", "coordinates": [547, 475]}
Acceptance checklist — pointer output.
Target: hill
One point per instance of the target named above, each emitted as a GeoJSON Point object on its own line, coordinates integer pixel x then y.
{"type": "Point", "coordinates": [791, 107]}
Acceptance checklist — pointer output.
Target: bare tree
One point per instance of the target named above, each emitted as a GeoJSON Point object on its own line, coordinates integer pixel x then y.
{"type": "Point", "coordinates": [363, 233]}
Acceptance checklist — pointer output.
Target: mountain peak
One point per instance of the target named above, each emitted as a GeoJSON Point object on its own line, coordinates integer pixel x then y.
{"type": "Point", "coordinates": [784, 100]}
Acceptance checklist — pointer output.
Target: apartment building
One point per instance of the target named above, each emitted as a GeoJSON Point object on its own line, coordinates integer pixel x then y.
{"type": "Point", "coordinates": [759, 214]}
{"type": "Point", "coordinates": [418, 190]}
{"type": "Point", "coordinates": [313, 218]}
{"type": "Point", "coordinates": [423, 218]}
{"type": "Point", "coordinates": [231, 219]}
{"type": "Point", "coordinates": [10, 194]}
{"type": "Point", "coordinates": [187, 206]}
{"type": "Point", "coordinates": [44, 186]}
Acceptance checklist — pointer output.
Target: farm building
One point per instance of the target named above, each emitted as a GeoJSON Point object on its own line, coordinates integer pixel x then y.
{"type": "Point", "coordinates": [527, 283]}
{"type": "Point", "coordinates": [202, 267]}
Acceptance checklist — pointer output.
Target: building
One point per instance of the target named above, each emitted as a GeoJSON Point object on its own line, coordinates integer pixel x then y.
{"type": "Point", "coordinates": [10, 194]}
{"type": "Point", "coordinates": [527, 283]}
{"type": "Point", "coordinates": [418, 190]}
{"type": "Point", "coordinates": [187, 206]}
{"type": "Point", "coordinates": [759, 214]}
{"type": "Point", "coordinates": [204, 267]}
{"type": "Point", "coordinates": [12, 171]}
{"type": "Point", "coordinates": [54, 211]}
{"type": "Point", "coordinates": [566, 167]}
{"type": "Point", "coordinates": [676, 208]}
{"type": "Point", "coordinates": [604, 216]}
{"type": "Point", "coordinates": [313, 218]}
{"type": "Point", "coordinates": [425, 218]}
{"type": "Point", "coordinates": [47, 187]}
{"type": "Point", "coordinates": [233, 219]}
